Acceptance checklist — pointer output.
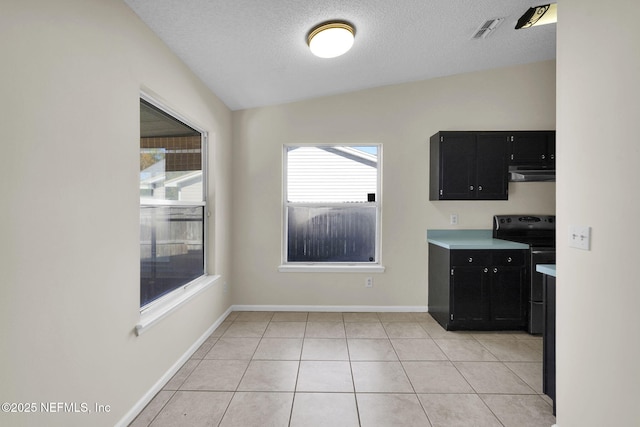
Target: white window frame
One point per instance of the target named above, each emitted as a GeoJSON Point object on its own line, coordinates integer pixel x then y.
{"type": "Point", "coordinates": [332, 267]}
{"type": "Point", "coordinates": [159, 308]}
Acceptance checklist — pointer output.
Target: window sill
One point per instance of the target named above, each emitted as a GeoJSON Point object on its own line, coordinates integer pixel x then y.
{"type": "Point", "coordinates": [330, 268]}
{"type": "Point", "coordinates": [164, 306]}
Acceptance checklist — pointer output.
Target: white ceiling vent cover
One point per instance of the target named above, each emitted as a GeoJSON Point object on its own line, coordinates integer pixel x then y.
{"type": "Point", "coordinates": [487, 28]}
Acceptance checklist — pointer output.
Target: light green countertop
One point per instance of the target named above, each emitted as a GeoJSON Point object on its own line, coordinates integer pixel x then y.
{"type": "Point", "coordinates": [548, 269]}
{"type": "Point", "coordinates": [470, 239]}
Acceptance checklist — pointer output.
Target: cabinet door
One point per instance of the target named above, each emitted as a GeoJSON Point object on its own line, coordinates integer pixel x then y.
{"type": "Point", "coordinates": [507, 302]}
{"type": "Point", "coordinates": [457, 166]}
{"type": "Point", "coordinates": [551, 150]}
{"type": "Point", "coordinates": [492, 168]}
{"type": "Point", "coordinates": [469, 295]}
{"type": "Point", "coordinates": [532, 148]}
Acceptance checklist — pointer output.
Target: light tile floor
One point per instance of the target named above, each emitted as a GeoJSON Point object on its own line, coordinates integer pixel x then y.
{"type": "Point", "coordinates": [354, 369]}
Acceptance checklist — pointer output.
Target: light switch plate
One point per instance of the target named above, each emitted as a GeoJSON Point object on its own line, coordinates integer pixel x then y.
{"type": "Point", "coordinates": [580, 237]}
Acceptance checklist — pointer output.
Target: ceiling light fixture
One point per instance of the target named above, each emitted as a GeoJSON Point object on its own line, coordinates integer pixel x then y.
{"type": "Point", "coordinates": [539, 15]}
{"type": "Point", "coordinates": [331, 39]}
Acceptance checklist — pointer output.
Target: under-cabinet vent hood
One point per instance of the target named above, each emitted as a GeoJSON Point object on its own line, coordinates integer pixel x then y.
{"type": "Point", "coordinates": [531, 174]}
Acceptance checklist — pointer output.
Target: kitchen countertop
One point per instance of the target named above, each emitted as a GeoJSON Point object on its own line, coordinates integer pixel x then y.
{"type": "Point", "coordinates": [470, 239]}
{"type": "Point", "coordinates": [548, 269]}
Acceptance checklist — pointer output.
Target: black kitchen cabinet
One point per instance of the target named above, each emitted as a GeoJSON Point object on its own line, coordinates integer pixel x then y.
{"type": "Point", "coordinates": [477, 289]}
{"type": "Point", "coordinates": [549, 340]}
{"type": "Point", "coordinates": [469, 166]}
{"type": "Point", "coordinates": [533, 148]}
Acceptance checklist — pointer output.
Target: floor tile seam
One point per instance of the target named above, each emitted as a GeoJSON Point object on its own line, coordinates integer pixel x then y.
{"type": "Point", "coordinates": [464, 377]}
{"type": "Point", "coordinates": [494, 353]}
{"type": "Point", "coordinates": [409, 393]}
{"type": "Point", "coordinates": [179, 387]}
{"type": "Point", "coordinates": [353, 383]}
{"type": "Point", "coordinates": [503, 364]}
{"type": "Point", "coordinates": [366, 322]}
{"type": "Point", "coordinates": [453, 359]}
{"type": "Point", "coordinates": [173, 393]}
{"type": "Point", "coordinates": [295, 386]}
{"type": "Point", "coordinates": [232, 391]}
{"type": "Point", "coordinates": [511, 394]}
{"type": "Point", "coordinates": [417, 360]}
{"type": "Point", "coordinates": [516, 374]}
{"type": "Point", "coordinates": [246, 368]}
{"type": "Point", "coordinates": [406, 374]}
{"type": "Point", "coordinates": [424, 409]}
{"type": "Point", "coordinates": [422, 324]}
{"type": "Point", "coordinates": [490, 410]}
{"type": "Point", "coordinates": [253, 357]}
{"type": "Point", "coordinates": [442, 350]}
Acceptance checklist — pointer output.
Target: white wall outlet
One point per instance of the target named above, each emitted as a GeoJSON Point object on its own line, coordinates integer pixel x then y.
{"type": "Point", "coordinates": [225, 287]}
{"type": "Point", "coordinates": [580, 237]}
{"type": "Point", "coordinates": [368, 282]}
{"type": "Point", "coordinates": [453, 219]}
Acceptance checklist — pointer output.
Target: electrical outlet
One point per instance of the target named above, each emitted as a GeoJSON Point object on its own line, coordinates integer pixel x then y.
{"type": "Point", "coordinates": [453, 219]}
{"type": "Point", "coordinates": [368, 282]}
{"type": "Point", "coordinates": [225, 287]}
{"type": "Point", "coordinates": [580, 237]}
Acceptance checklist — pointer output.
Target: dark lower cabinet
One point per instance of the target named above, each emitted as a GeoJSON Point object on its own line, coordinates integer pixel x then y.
{"type": "Point", "coordinates": [549, 340]}
{"type": "Point", "coordinates": [469, 295]}
{"type": "Point", "coordinates": [477, 289]}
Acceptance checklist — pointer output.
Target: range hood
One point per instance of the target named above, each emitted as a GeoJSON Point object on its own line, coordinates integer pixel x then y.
{"type": "Point", "coordinates": [531, 174]}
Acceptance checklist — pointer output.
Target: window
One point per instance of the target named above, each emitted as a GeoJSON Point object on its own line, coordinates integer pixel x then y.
{"type": "Point", "coordinates": [332, 204]}
{"type": "Point", "coordinates": [172, 203]}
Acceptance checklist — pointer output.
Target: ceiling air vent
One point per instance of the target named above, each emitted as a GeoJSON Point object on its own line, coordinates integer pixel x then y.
{"type": "Point", "coordinates": [487, 28]}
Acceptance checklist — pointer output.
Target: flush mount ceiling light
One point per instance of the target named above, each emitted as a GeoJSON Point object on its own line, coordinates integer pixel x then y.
{"type": "Point", "coordinates": [539, 15]}
{"type": "Point", "coordinates": [331, 39]}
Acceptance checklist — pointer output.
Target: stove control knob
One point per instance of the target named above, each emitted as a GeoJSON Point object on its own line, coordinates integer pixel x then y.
{"type": "Point", "coordinates": [509, 259]}
{"type": "Point", "coordinates": [470, 259]}
{"type": "Point", "coordinates": [495, 270]}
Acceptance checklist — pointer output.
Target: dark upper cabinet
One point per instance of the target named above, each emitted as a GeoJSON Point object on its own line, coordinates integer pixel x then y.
{"type": "Point", "coordinates": [533, 148]}
{"type": "Point", "coordinates": [469, 166]}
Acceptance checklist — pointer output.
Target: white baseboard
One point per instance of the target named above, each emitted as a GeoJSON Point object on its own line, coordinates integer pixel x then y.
{"type": "Point", "coordinates": [144, 401]}
{"type": "Point", "coordinates": [334, 308]}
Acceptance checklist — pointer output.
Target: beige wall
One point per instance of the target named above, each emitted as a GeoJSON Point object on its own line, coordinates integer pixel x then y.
{"type": "Point", "coordinates": [598, 142]}
{"type": "Point", "coordinates": [70, 81]}
{"type": "Point", "coordinates": [401, 118]}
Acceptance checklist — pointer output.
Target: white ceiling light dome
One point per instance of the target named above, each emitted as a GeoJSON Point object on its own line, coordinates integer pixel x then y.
{"type": "Point", "coordinates": [331, 39]}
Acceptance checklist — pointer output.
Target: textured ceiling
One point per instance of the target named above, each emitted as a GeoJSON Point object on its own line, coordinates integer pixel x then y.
{"type": "Point", "coordinates": [253, 53]}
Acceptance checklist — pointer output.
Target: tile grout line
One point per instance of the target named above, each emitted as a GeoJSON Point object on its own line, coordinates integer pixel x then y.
{"type": "Point", "coordinates": [295, 386]}
{"type": "Point", "coordinates": [353, 379]}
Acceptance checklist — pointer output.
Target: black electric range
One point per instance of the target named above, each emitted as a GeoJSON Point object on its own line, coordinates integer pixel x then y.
{"type": "Point", "coordinates": [539, 232]}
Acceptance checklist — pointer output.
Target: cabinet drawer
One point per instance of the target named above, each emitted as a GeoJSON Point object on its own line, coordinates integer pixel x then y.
{"type": "Point", "coordinates": [460, 258]}
{"type": "Point", "coordinates": [508, 258]}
